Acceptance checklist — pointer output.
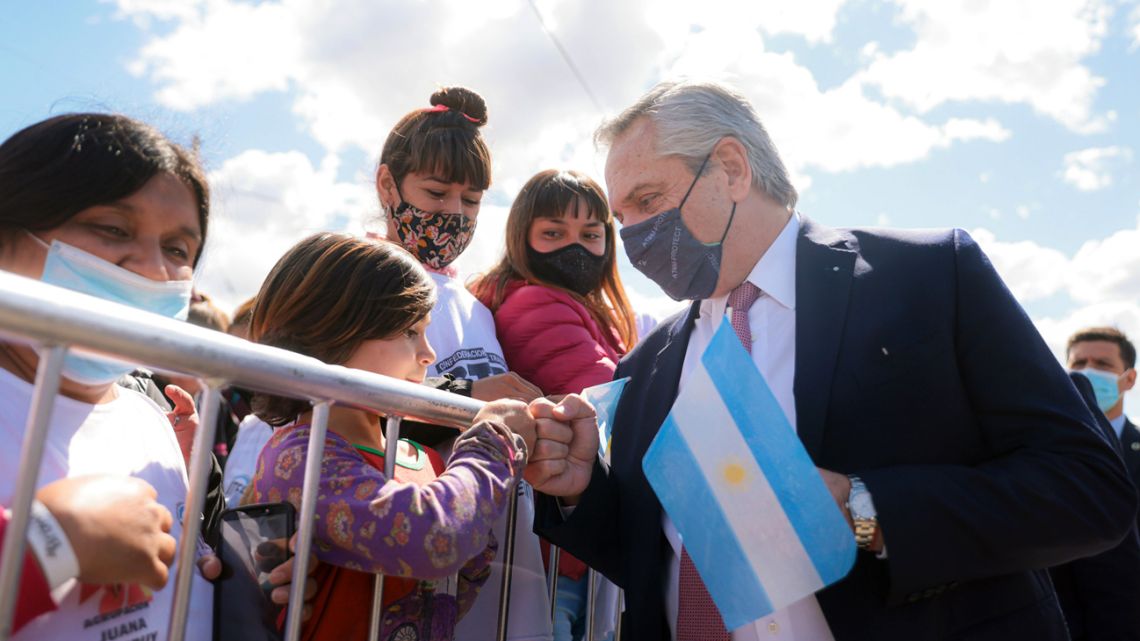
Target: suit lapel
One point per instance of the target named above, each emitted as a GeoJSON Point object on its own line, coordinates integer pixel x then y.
{"type": "Point", "coordinates": [665, 377]}
{"type": "Point", "coordinates": [825, 263]}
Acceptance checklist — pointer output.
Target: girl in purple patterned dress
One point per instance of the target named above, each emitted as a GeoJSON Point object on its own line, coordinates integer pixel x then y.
{"type": "Point", "coordinates": [365, 304]}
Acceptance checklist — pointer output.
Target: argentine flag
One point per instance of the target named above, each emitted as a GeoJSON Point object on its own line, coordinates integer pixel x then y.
{"type": "Point", "coordinates": [604, 398]}
{"type": "Point", "coordinates": [761, 527]}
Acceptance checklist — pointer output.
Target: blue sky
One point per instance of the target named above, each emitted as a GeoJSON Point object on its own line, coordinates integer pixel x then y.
{"type": "Point", "coordinates": [1016, 120]}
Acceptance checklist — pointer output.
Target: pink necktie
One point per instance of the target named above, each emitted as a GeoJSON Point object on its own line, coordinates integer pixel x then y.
{"type": "Point", "coordinates": [697, 616]}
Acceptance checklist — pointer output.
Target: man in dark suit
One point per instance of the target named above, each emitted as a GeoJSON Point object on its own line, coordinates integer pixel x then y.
{"type": "Point", "coordinates": [1108, 359]}
{"type": "Point", "coordinates": [1099, 594]}
{"type": "Point", "coordinates": [918, 385]}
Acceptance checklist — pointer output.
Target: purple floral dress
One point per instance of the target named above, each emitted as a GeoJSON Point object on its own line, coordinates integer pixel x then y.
{"type": "Point", "coordinates": [429, 532]}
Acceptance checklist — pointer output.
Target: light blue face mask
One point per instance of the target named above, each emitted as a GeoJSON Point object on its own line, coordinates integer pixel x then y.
{"type": "Point", "coordinates": [77, 270]}
{"type": "Point", "coordinates": [1104, 386]}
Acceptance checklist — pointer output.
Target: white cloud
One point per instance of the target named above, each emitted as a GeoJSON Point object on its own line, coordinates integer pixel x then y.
{"type": "Point", "coordinates": [838, 129]}
{"type": "Point", "coordinates": [1135, 19]}
{"type": "Point", "coordinates": [1015, 51]}
{"type": "Point", "coordinates": [1101, 271]}
{"type": "Point", "coordinates": [144, 12]}
{"type": "Point", "coordinates": [1030, 271]}
{"type": "Point", "coordinates": [1108, 269]}
{"type": "Point", "coordinates": [1124, 315]}
{"type": "Point", "coordinates": [263, 203]}
{"type": "Point", "coordinates": [1091, 169]}
{"type": "Point", "coordinates": [215, 52]}
{"type": "Point", "coordinates": [355, 66]}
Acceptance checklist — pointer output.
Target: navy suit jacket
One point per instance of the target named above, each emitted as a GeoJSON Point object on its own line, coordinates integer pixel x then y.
{"type": "Point", "coordinates": [917, 370]}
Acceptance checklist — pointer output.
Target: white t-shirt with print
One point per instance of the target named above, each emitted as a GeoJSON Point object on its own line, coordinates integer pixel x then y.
{"type": "Point", "coordinates": [128, 436]}
{"type": "Point", "coordinates": [462, 333]}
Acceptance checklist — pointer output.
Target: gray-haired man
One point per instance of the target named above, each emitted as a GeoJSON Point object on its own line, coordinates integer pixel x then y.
{"type": "Point", "coordinates": [912, 376]}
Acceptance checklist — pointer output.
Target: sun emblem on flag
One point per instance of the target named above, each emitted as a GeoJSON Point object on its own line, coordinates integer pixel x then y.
{"type": "Point", "coordinates": [734, 473]}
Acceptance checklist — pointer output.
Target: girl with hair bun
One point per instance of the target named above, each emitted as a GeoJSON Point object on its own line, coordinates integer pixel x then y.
{"type": "Point", "coordinates": [433, 171]}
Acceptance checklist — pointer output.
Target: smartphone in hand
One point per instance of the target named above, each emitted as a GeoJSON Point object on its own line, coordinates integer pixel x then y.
{"type": "Point", "coordinates": [254, 540]}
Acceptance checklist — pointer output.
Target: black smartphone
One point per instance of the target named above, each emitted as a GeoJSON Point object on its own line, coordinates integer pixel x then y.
{"type": "Point", "coordinates": [254, 539]}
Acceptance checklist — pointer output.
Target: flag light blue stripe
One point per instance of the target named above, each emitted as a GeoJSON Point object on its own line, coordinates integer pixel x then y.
{"type": "Point", "coordinates": [670, 467]}
{"type": "Point", "coordinates": [790, 471]}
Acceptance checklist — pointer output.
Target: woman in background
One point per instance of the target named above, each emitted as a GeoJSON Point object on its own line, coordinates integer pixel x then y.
{"type": "Point", "coordinates": [562, 315]}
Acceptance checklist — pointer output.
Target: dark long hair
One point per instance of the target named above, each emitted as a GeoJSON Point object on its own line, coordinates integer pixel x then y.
{"type": "Point", "coordinates": [56, 168]}
{"type": "Point", "coordinates": [548, 194]}
{"type": "Point", "coordinates": [446, 143]}
{"type": "Point", "coordinates": [330, 293]}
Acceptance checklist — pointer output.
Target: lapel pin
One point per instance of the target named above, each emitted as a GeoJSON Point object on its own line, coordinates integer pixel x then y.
{"type": "Point", "coordinates": [886, 353]}
{"type": "Point", "coordinates": [1135, 447]}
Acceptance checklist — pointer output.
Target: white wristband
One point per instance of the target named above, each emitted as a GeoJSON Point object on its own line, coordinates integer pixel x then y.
{"type": "Point", "coordinates": [49, 542]}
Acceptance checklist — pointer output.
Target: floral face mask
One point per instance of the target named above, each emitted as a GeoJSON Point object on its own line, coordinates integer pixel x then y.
{"type": "Point", "coordinates": [436, 239]}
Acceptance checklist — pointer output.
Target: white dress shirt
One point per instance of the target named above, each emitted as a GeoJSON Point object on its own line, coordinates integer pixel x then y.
{"type": "Point", "coordinates": [772, 320]}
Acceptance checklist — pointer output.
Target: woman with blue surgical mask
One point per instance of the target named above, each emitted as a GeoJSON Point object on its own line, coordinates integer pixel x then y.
{"type": "Point", "coordinates": [107, 206]}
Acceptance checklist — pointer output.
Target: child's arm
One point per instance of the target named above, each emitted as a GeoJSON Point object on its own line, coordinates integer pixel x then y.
{"type": "Point", "coordinates": [368, 523]}
{"type": "Point", "coordinates": [472, 577]}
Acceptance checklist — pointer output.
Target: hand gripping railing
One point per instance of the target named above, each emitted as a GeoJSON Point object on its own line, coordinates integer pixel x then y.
{"type": "Point", "coordinates": [57, 319]}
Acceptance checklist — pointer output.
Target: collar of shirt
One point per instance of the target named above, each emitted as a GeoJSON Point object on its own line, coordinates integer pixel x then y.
{"type": "Point", "coordinates": [774, 273]}
{"type": "Point", "coordinates": [1118, 425]}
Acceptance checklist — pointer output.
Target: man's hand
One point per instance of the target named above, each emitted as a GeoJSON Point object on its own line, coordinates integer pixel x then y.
{"type": "Point", "coordinates": [567, 446]}
{"type": "Point", "coordinates": [119, 533]}
{"type": "Point", "coordinates": [508, 385]}
{"type": "Point", "coordinates": [513, 414]}
{"type": "Point", "coordinates": [840, 487]}
{"type": "Point", "coordinates": [183, 418]}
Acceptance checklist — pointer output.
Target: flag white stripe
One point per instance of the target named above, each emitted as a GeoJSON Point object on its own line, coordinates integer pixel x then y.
{"type": "Point", "coordinates": [765, 533]}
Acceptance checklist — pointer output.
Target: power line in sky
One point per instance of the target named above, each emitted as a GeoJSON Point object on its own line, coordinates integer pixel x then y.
{"type": "Point", "coordinates": [566, 58]}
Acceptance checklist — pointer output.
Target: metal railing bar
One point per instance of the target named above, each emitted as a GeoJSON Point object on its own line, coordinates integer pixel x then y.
{"type": "Point", "coordinates": [199, 476]}
{"type": "Point", "coordinates": [48, 314]}
{"type": "Point", "coordinates": [508, 564]}
{"type": "Point", "coordinates": [31, 455]}
{"type": "Point", "coordinates": [552, 580]}
{"type": "Point", "coordinates": [314, 455]}
{"type": "Point", "coordinates": [591, 602]}
{"type": "Point", "coordinates": [391, 451]}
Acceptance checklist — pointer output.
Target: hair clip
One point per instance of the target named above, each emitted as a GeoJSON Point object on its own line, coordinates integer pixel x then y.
{"type": "Point", "coordinates": [442, 108]}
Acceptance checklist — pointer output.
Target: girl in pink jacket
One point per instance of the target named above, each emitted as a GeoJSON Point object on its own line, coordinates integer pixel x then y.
{"type": "Point", "coordinates": [561, 314]}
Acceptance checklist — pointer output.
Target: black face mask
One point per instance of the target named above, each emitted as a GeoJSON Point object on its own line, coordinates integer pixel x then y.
{"type": "Point", "coordinates": [573, 267]}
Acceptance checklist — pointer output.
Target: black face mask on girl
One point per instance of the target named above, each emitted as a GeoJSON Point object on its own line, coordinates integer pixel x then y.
{"type": "Point", "coordinates": [573, 267]}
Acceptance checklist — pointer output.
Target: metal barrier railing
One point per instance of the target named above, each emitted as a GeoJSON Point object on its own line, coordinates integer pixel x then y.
{"type": "Point", "coordinates": [58, 320]}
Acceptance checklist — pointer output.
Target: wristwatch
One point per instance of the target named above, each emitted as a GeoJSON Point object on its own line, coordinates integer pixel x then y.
{"type": "Point", "coordinates": [862, 513]}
